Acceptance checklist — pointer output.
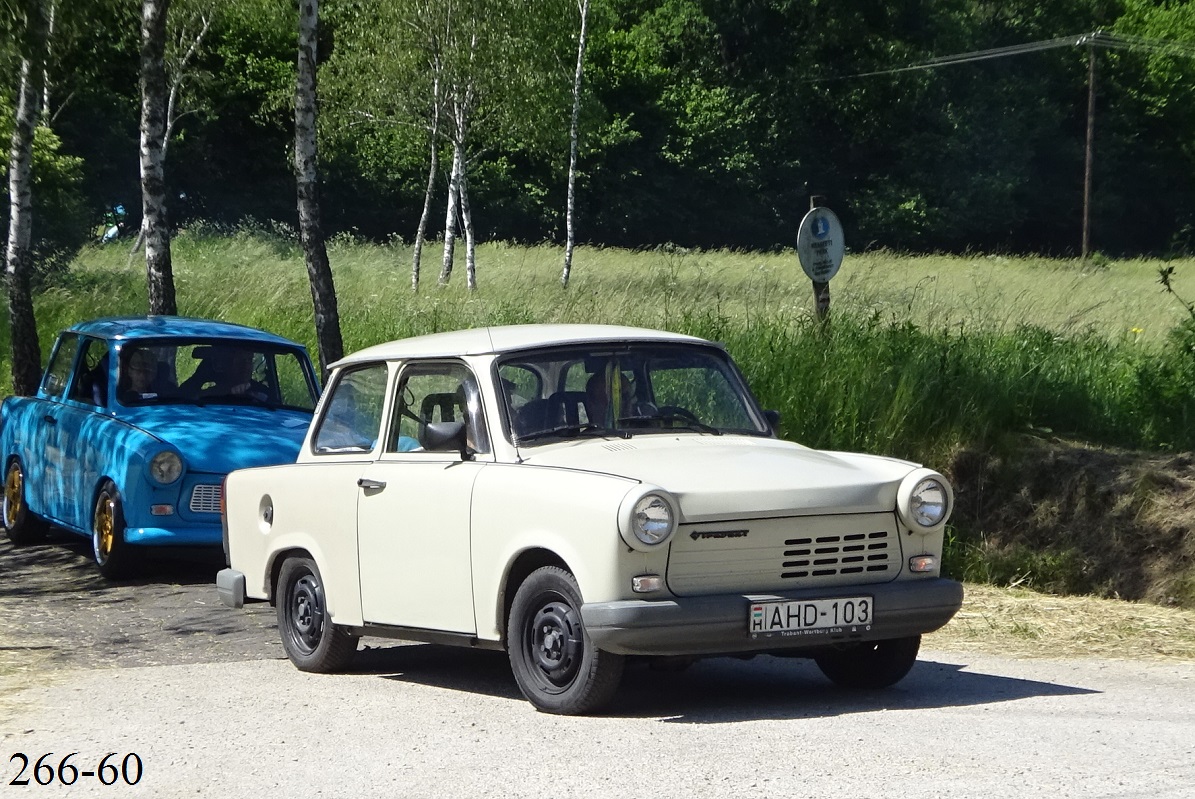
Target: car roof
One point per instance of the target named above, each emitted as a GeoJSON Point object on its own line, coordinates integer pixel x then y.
{"type": "Point", "coordinates": [118, 328]}
{"type": "Point", "coordinates": [509, 338]}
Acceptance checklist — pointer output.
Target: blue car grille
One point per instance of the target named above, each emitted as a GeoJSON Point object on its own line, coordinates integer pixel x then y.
{"type": "Point", "coordinates": [205, 499]}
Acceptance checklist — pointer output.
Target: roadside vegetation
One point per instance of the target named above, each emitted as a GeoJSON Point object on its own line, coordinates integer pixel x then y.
{"type": "Point", "coordinates": [1056, 395]}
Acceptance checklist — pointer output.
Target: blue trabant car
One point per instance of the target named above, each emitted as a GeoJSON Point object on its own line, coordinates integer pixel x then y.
{"type": "Point", "coordinates": [135, 425]}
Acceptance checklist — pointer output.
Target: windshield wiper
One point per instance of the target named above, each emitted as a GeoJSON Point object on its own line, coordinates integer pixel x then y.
{"type": "Point", "coordinates": [669, 418]}
{"type": "Point", "coordinates": [570, 430]}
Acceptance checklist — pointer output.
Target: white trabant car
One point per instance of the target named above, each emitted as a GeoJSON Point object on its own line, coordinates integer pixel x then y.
{"type": "Point", "coordinates": [578, 495]}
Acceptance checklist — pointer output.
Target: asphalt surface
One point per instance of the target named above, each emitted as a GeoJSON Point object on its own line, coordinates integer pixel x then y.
{"type": "Point", "coordinates": [202, 694]}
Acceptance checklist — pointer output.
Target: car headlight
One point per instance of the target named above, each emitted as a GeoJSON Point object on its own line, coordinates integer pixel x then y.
{"type": "Point", "coordinates": [166, 467]}
{"type": "Point", "coordinates": [925, 500]}
{"type": "Point", "coordinates": [647, 519]}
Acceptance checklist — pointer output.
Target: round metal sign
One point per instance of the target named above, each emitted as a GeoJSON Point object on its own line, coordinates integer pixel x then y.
{"type": "Point", "coordinates": [820, 245]}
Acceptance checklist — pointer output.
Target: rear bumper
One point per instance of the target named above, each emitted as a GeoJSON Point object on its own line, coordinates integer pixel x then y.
{"type": "Point", "coordinates": [718, 624]}
{"type": "Point", "coordinates": [230, 585]}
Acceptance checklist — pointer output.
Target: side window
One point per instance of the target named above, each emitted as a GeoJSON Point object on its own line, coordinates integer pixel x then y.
{"type": "Point", "coordinates": [91, 374]}
{"type": "Point", "coordinates": [439, 392]}
{"type": "Point", "coordinates": [354, 412]}
{"type": "Point", "coordinates": [59, 370]}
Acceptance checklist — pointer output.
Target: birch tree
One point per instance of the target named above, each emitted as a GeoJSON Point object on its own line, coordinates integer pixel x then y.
{"type": "Point", "coordinates": [183, 44]}
{"type": "Point", "coordinates": [311, 234]}
{"type": "Point", "coordinates": [31, 22]}
{"type": "Point", "coordinates": [570, 203]}
{"type": "Point", "coordinates": [154, 96]}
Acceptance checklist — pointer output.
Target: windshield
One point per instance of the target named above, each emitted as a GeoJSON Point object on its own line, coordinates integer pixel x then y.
{"type": "Point", "coordinates": [205, 372]}
{"type": "Point", "coordinates": [626, 390]}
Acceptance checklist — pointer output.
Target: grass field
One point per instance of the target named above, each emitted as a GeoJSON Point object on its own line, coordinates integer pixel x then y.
{"type": "Point", "coordinates": [925, 354]}
{"type": "Point", "coordinates": [940, 360]}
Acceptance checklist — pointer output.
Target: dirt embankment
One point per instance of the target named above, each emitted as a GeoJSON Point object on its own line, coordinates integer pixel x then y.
{"type": "Point", "coordinates": [1067, 518]}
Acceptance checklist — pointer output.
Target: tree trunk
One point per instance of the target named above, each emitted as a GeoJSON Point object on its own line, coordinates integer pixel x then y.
{"type": "Point", "coordinates": [18, 265]}
{"type": "Point", "coordinates": [572, 153]}
{"type": "Point", "coordinates": [454, 186]}
{"type": "Point", "coordinates": [467, 220]}
{"type": "Point", "coordinates": [158, 268]}
{"type": "Point", "coordinates": [433, 167]}
{"type": "Point", "coordinates": [311, 233]}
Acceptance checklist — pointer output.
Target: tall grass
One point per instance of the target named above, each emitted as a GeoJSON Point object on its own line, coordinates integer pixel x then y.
{"type": "Point", "coordinates": [922, 355]}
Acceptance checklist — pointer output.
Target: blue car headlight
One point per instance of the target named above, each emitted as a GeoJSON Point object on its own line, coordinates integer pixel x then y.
{"type": "Point", "coordinates": [166, 467]}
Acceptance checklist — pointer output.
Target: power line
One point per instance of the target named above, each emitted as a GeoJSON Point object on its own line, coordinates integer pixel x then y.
{"type": "Point", "coordinates": [1094, 39]}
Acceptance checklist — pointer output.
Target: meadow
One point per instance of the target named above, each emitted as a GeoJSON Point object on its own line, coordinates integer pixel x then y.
{"type": "Point", "coordinates": [923, 353]}
{"type": "Point", "coordinates": [964, 363]}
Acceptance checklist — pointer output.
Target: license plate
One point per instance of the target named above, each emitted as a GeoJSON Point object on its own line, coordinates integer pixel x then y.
{"type": "Point", "coordinates": [810, 616]}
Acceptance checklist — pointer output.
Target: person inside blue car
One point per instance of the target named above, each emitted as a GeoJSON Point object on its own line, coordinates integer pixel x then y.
{"type": "Point", "coordinates": [136, 382]}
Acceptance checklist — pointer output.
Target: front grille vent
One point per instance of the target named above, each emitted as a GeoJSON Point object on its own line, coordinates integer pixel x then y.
{"type": "Point", "coordinates": [828, 555]}
{"type": "Point", "coordinates": [205, 499]}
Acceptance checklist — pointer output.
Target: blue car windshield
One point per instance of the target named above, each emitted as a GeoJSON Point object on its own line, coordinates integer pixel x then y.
{"type": "Point", "coordinates": [203, 372]}
{"type": "Point", "coordinates": [631, 389]}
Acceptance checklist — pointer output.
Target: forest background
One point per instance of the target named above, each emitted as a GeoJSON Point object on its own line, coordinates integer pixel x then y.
{"type": "Point", "coordinates": [703, 123]}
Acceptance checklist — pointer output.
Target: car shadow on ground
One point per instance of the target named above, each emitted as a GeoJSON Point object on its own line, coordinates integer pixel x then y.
{"type": "Point", "coordinates": [62, 562]}
{"type": "Point", "coordinates": [717, 690]}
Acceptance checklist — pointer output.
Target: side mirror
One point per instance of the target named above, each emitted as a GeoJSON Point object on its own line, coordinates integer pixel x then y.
{"type": "Point", "coordinates": [444, 437]}
{"type": "Point", "coordinates": [773, 419]}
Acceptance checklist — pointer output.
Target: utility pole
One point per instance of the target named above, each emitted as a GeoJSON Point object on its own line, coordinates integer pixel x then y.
{"type": "Point", "coordinates": [1086, 248]}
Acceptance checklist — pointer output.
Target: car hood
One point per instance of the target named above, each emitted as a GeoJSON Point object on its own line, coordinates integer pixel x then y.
{"type": "Point", "coordinates": [220, 438]}
{"type": "Point", "coordinates": [738, 476]}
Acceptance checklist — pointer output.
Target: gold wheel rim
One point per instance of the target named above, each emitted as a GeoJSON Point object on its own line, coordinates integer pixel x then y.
{"type": "Point", "coordinates": [105, 526]}
{"type": "Point", "coordinates": [13, 496]}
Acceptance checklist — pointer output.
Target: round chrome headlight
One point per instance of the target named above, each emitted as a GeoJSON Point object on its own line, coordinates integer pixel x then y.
{"type": "Point", "coordinates": [924, 500]}
{"type": "Point", "coordinates": [928, 503]}
{"type": "Point", "coordinates": [646, 520]}
{"type": "Point", "coordinates": [651, 520]}
{"type": "Point", "coordinates": [166, 467]}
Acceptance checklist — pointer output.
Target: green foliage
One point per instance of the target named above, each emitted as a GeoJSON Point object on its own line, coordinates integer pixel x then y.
{"type": "Point", "coordinates": [60, 218]}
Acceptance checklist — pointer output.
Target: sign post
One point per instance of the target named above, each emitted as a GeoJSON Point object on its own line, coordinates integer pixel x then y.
{"type": "Point", "coordinates": [820, 248]}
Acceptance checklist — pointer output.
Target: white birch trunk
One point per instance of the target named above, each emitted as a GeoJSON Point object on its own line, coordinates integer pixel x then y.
{"type": "Point", "coordinates": [18, 261]}
{"type": "Point", "coordinates": [158, 268]}
{"type": "Point", "coordinates": [450, 222]}
{"type": "Point", "coordinates": [572, 154]}
{"type": "Point", "coordinates": [311, 233]}
{"type": "Point", "coordinates": [433, 167]}
{"type": "Point", "coordinates": [467, 220]}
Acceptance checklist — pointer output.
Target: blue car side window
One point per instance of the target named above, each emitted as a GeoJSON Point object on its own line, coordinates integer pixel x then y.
{"type": "Point", "coordinates": [61, 362]}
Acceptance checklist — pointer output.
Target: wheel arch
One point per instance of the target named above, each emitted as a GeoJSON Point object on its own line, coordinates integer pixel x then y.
{"type": "Point", "coordinates": [275, 567]}
{"type": "Point", "coordinates": [520, 569]}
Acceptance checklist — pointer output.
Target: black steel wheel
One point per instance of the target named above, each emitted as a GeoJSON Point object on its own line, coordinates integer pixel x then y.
{"type": "Point", "coordinates": [21, 525]}
{"type": "Point", "coordinates": [870, 665]}
{"type": "Point", "coordinates": [310, 639]}
{"type": "Point", "coordinates": [113, 556]}
{"type": "Point", "coordinates": [554, 662]}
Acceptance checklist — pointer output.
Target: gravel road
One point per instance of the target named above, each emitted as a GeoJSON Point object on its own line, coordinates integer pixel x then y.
{"type": "Point", "coordinates": [203, 696]}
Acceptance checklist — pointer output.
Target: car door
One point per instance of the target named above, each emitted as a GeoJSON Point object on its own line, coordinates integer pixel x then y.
{"type": "Point", "coordinates": [81, 435]}
{"type": "Point", "coordinates": [47, 462]}
{"type": "Point", "coordinates": [413, 514]}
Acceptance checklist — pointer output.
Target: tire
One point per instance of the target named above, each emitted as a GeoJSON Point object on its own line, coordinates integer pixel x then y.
{"type": "Point", "coordinates": [21, 525]}
{"type": "Point", "coordinates": [555, 664]}
{"type": "Point", "coordinates": [113, 556]}
{"type": "Point", "coordinates": [310, 639]}
{"type": "Point", "coordinates": [872, 665]}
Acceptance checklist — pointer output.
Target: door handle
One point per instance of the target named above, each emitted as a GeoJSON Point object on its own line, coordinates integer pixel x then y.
{"type": "Point", "coordinates": [48, 419]}
{"type": "Point", "coordinates": [375, 485]}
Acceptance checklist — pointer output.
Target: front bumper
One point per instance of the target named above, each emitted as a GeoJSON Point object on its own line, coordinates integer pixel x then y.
{"type": "Point", "coordinates": [708, 625]}
{"type": "Point", "coordinates": [190, 535]}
